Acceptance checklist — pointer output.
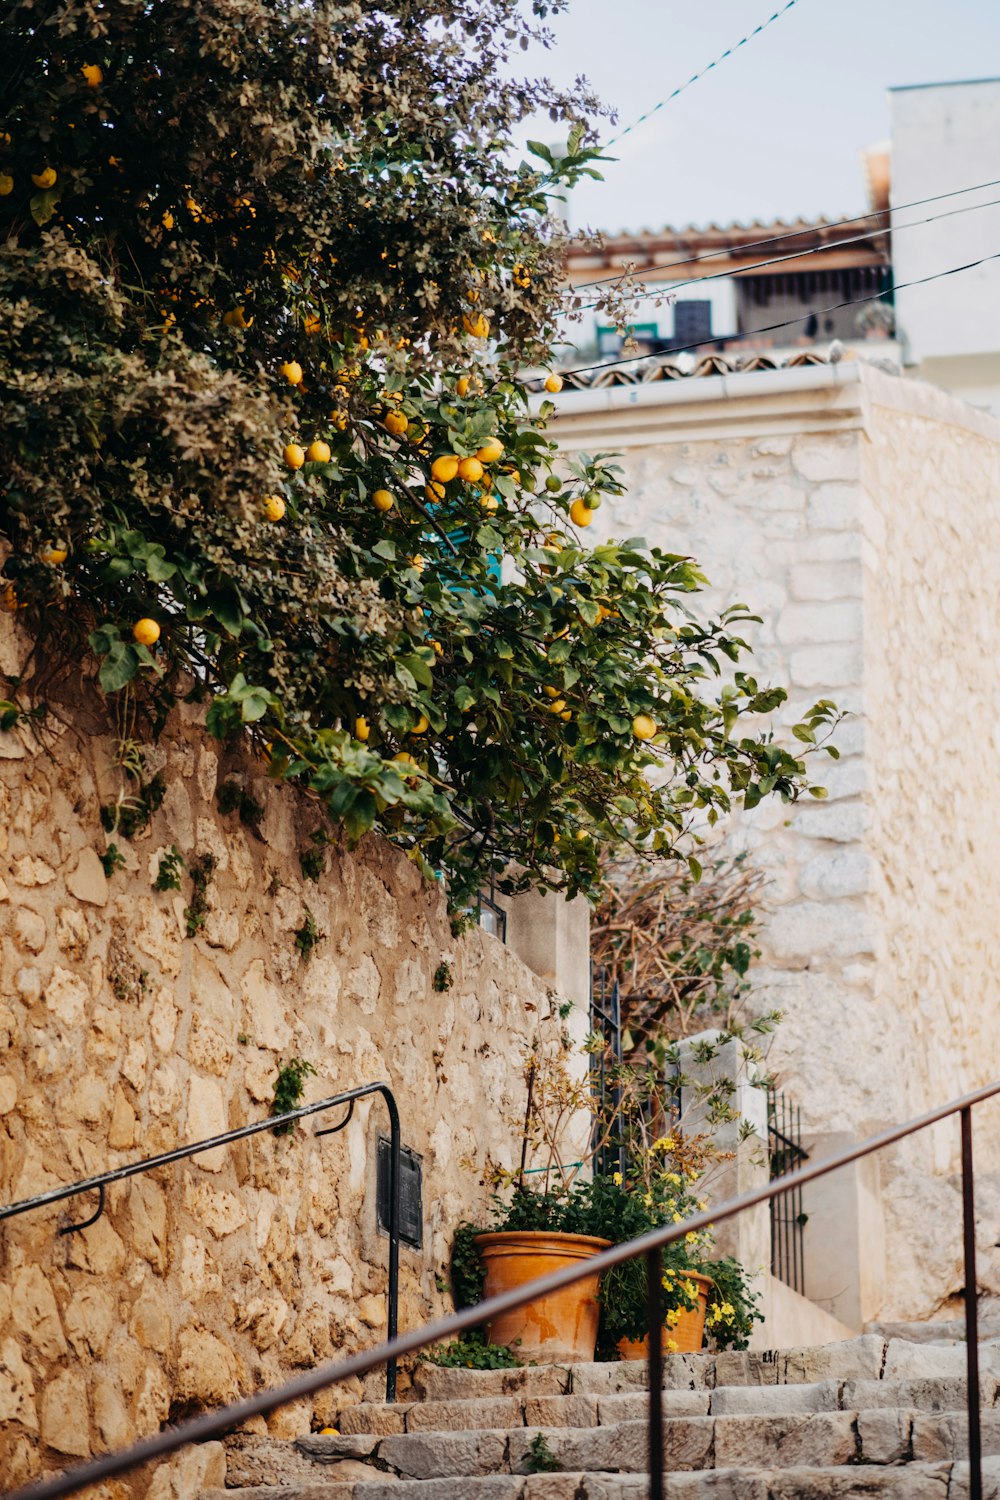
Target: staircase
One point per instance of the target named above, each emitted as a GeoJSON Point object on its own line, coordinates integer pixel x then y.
{"type": "Point", "coordinates": [873, 1416]}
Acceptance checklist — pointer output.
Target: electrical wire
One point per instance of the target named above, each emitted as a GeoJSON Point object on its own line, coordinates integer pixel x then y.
{"type": "Point", "coordinates": [794, 234]}
{"type": "Point", "coordinates": [613, 364]}
{"type": "Point", "coordinates": [777, 260]}
{"type": "Point", "coordinates": [695, 76]}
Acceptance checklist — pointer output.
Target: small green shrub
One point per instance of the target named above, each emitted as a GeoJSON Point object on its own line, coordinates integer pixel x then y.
{"type": "Point", "coordinates": [540, 1458]}
{"type": "Point", "coordinates": [442, 978]}
{"type": "Point", "coordinates": [201, 878]}
{"type": "Point", "coordinates": [308, 935]}
{"type": "Point", "coordinates": [313, 863]}
{"type": "Point", "coordinates": [288, 1090]}
{"type": "Point", "coordinates": [472, 1353]}
{"type": "Point", "coordinates": [111, 860]}
{"type": "Point", "coordinates": [168, 876]}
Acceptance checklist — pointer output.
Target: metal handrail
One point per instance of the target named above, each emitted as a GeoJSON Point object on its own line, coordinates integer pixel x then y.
{"type": "Point", "coordinates": [217, 1423]}
{"type": "Point", "coordinates": [211, 1143]}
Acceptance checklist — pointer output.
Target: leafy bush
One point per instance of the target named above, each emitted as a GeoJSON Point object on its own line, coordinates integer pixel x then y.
{"type": "Point", "coordinates": [262, 268]}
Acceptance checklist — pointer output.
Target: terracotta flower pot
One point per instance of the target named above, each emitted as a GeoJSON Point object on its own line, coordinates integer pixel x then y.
{"type": "Point", "coordinates": [688, 1333]}
{"type": "Point", "coordinates": [560, 1328]}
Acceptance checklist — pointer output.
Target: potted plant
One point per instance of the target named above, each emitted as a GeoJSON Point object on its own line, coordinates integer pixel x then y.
{"type": "Point", "coordinates": [554, 1211]}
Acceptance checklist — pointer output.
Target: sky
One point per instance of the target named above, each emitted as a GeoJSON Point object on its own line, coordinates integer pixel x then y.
{"type": "Point", "coordinates": [775, 131]}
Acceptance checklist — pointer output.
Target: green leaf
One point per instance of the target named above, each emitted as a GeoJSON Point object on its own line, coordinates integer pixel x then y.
{"type": "Point", "coordinates": [819, 792]}
{"type": "Point", "coordinates": [385, 549]}
{"type": "Point", "coordinates": [417, 668]}
{"type": "Point", "coordinates": [43, 205]}
{"type": "Point", "coordinates": [118, 667]}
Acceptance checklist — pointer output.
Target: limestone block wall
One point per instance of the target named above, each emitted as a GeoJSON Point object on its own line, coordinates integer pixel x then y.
{"type": "Point", "coordinates": [120, 1037]}
{"type": "Point", "coordinates": [857, 514]}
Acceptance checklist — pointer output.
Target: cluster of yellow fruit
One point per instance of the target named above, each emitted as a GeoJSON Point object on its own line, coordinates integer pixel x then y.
{"type": "Point", "coordinates": [318, 452]}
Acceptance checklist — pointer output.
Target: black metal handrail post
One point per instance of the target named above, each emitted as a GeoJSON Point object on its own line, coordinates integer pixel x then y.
{"type": "Point", "coordinates": [972, 1397]}
{"type": "Point", "coordinates": [217, 1423]}
{"type": "Point", "coordinates": [271, 1122]}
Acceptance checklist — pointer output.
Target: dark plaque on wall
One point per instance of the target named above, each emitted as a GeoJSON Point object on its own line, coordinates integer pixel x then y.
{"type": "Point", "coordinates": [411, 1201]}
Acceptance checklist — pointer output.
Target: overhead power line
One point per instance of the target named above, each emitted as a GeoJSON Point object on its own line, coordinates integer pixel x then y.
{"type": "Point", "coordinates": [695, 76]}
{"type": "Point", "coordinates": [613, 364]}
{"type": "Point", "coordinates": [777, 260]}
{"type": "Point", "coordinates": [793, 234]}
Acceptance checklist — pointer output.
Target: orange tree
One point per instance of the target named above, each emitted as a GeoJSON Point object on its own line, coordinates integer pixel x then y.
{"type": "Point", "coordinates": [268, 271]}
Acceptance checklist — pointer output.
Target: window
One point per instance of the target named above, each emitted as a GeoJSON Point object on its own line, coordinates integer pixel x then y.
{"type": "Point", "coordinates": [692, 322]}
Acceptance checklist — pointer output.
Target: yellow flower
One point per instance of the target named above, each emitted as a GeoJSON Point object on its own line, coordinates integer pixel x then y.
{"type": "Point", "coordinates": [691, 1238]}
{"type": "Point", "coordinates": [673, 1317]}
{"type": "Point", "coordinates": [678, 1218]}
{"type": "Point", "coordinates": [671, 1346]}
{"type": "Point", "coordinates": [674, 1179]}
{"type": "Point", "coordinates": [648, 1201]}
{"type": "Point", "coordinates": [665, 1143]}
{"type": "Point", "coordinates": [617, 1179]}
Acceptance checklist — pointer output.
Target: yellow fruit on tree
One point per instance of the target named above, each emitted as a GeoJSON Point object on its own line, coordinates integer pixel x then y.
{"type": "Point", "coordinates": [566, 714]}
{"type": "Point", "coordinates": [434, 492]}
{"type": "Point", "coordinates": [490, 451]}
{"type": "Point", "coordinates": [146, 632]}
{"type": "Point", "coordinates": [437, 647]}
{"type": "Point", "coordinates": [274, 507]}
{"type": "Point", "coordinates": [361, 729]}
{"type": "Point", "coordinates": [396, 423]}
{"type": "Point", "coordinates": [489, 503]}
{"type": "Point", "coordinates": [312, 324]}
{"type": "Point", "coordinates": [445, 467]}
{"type": "Point", "coordinates": [6, 184]}
{"type": "Point", "coordinates": [55, 555]}
{"type": "Point", "coordinates": [93, 74]}
{"type": "Point", "coordinates": [382, 500]}
{"type": "Point", "coordinates": [318, 452]}
{"type": "Point", "coordinates": [462, 385]}
{"type": "Point", "coordinates": [294, 456]}
{"type": "Point", "coordinates": [403, 757]}
{"type": "Point", "coordinates": [551, 692]}
{"type": "Point", "coordinates": [554, 384]}
{"type": "Point", "coordinates": [417, 563]}
{"type": "Point", "coordinates": [168, 220]}
{"type": "Point", "coordinates": [643, 727]}
{"type": "Point", "coordinates": [44, 179]}
{"type": "Point", "coordinates": [479, 327]}
{"type": "Point", "coordinates": [10, 599]}
{"type": "Point", "coordinates": [292, 371]}
{"type": "Point", "coordinates": [470, 469]}
{"type": "Point", "coordinates": [237, 318]}
{"type": "Point", "coordinates": [580, 513]}
{"type": "Point", "coordinates": [557, 705]}
{"type": "Point", "coordinates": [421, 726]}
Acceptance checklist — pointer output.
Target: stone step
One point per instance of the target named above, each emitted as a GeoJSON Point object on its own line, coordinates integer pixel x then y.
{"type": "Point", "coordinates": [915, 1481]}
{"type": "Point", "coordinates": [865, 1358]}
{"type": "Point", "coordinates": [929, 1394]}
{"type": "Point", "coordinates": [877, 1436]}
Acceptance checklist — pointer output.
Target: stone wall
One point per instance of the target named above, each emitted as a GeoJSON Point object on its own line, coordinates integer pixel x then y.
{"type": "Point", "coordinates": [857, 514]}
{"type": "Point", "coordinates": [121, 1037]}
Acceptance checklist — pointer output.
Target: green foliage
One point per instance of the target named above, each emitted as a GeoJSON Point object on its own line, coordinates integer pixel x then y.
{"type": "Point", "coordinates": [243, 185]}
{"type": "Point", "coordinates": [313, 863]}
{"type": "Point", "coordinates": [308, 935]}
{"type": "Point", "coordinates": [196, 911]}
{"type": "Point", "coordinates": [171, 868]}
{"type": "Point", "coordinates": [466, 1270]}
{"type": "Point", "coordinates": [442, 980]}
{"type": "Point", "coordinates": [131, 814]}
{"type": "Point", "coordinates": [472, 1353]}
{"type": "Point", "coordinates": [289, 1087]}
{"type": "Point", "coordinates": [540, 1459]}
{"type": "Point", "coordinates": [111, 860]}
{"type": "Point", "coordinates": [231, 798]}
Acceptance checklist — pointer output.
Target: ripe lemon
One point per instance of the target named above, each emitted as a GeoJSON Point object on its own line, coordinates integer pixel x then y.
{"type": "Point", "coordinates": [237, 318]}
{"type": "Point", "coordinates": [318, 452]}
{"type": "Point", "coordinates": [437, 647]}
{"type": "Point", "coordinates": [382, 500]}
{"type": "Point", "coordinates": [362, 729]}
{"type": "Point", "coordinates": [403, 757]}
{"type": "Point", "coordinates": [479, 327]}
{"type": "Point", "coordinates": [10, 600]}
{"type": "Point", "coordinates": [551, 692]}
{"type": "Point", "coordinates": [274, 507]}
{"type": "Point", "coordinates": [489, 503]}
{"type": "Point", "coordinates": [292, 371]}
{"type": "Point", "coordinates": [462, 385]}
{"type": "Point", "coordinates": [44, 179]}
{"type": "Point", "coordinates": [422, 725]}
{"type": "Point", "coordinates": [580, 514]}
{"type": "Point", "coordinates": [490, 451]}
{"type": "Point", "coordinates": [6, 184]}
{"type": "Point", "coordinates": [146, 632]}
{"type": "Point", "coordinates": [93, 74]}
{"type": "Point", "coordinates": [554, 384]}
{"type": "Point", "coordinates": [396, 423]}
{"type": "Point", "coordinates": [329, 1432]}
{"type": "Point", "coordinates": [55, 555]}
{"type": "Point", "coordinates": [312, 324]}
{"type": "Point", "coordinates": [470, 469]}
{"type": "Point", "coordinates": [643, 727]}
{"type": "Point", "coordinates": [168, 220]}
{"type": "Point", "coordinates": [445, 467]}
{"type": "Point", "coordinates": [434, 493]}
{"type": "Point", "coordinates": [417, 563]}
{"type": "Point", "coordinates": [557, 705]}
{"type": "Point", "coordinates": [567, 714]}
{"type": "Point", "coordinates": [294, 456]}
